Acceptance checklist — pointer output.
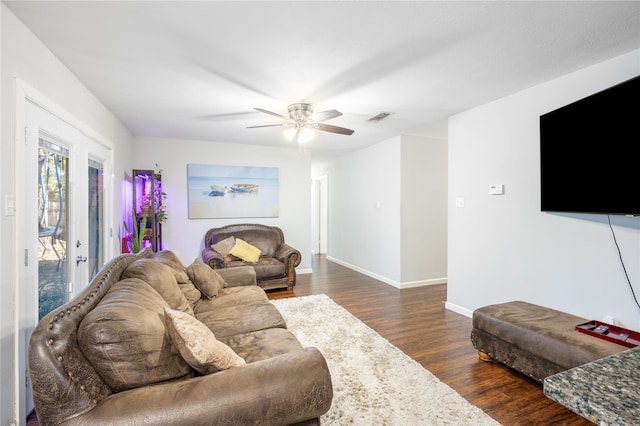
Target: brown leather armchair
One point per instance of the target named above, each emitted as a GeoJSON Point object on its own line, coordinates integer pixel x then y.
{"type": "Point", "coordinates": [276, 267]}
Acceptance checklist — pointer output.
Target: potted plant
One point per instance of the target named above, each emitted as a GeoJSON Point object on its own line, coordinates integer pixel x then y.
{"type": "Point", "coordinates": [136, 238]}
{"type": "Point", "coordinates": [153, 202]}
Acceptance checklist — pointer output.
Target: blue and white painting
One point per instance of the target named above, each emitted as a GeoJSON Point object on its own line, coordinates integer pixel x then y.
{"type": "Point", "coordinates": [217, 191]}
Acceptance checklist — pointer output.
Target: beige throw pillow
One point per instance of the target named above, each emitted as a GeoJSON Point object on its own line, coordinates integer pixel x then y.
{"type": "Point", "coordinates": [245, 251]}
{"type": "Point", "coordinates": [224, 247]}
{"type": "Point", "coordinates": [208, 281]}
{"type": "Point", "coordinates": [198, 345]}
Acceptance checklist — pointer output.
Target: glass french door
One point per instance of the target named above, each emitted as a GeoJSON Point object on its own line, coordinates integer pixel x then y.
{"type": "Point", "coordinates": [65, 216]}
{"type": "Point", "coordinates": [71, 208]}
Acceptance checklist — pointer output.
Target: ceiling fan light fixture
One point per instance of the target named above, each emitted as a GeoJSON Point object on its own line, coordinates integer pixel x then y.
{"type": "Point", "coordinates": [305, 135]}
{"type": "Point", "coordinates": [301, 135]}
{"type": "Point", "coordinates": [290, 133]}
{"type": "Point", "coordinates": [301, 124]}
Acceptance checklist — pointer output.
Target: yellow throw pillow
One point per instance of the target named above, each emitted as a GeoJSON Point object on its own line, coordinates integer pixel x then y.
{"type": "Point", "coordinates": [245, 251]}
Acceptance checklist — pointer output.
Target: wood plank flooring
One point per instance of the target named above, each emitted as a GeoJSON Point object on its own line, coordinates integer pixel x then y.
{"type": "Point", "coordinates": [416, 321]}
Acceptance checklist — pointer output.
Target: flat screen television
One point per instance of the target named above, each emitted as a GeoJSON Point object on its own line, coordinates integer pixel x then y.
{"type": "Point", "coordinates": [589, 161]}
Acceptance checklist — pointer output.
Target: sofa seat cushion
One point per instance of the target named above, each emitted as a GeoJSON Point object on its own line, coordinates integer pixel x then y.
{"type": "Point", "coordinates": [232, 320]}
{"type": "Point", "coordinates": [125, 340]}
{"type": "Point", "coordinates": [231, 296]}
{"type": "Point", "coordinates": [262, 344]}
{"type": "Point", "coordinates": [266, 240]}
{"type": "Point", "coordinates": [265, 267]}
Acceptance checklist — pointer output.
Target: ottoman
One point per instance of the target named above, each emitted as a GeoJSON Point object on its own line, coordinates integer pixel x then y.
{"type": "Point", "coordinates": [535, 340]}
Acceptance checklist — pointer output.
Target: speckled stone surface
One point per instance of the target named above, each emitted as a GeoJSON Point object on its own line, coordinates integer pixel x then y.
{"type": "Point", "coordinates": [606, 391]}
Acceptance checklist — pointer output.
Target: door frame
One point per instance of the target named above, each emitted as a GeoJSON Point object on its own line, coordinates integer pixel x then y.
{"type": "Point", "coordinates": [25, 93]}
{"type": "Point", "coordinates": [319, 214]}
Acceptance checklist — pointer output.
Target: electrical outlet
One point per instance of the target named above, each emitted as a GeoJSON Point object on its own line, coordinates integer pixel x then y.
{"type": "Point", "coordinates": [459, 202]}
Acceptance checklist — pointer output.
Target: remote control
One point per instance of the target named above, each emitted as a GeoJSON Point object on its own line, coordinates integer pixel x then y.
{"type": "Point", "coordinates": [601, 329]}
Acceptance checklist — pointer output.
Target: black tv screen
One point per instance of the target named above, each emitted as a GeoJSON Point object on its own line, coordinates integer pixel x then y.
{"type": "Point", "coordinates": [589, 160]}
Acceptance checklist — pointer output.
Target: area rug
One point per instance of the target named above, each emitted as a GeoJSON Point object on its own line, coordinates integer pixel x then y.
{"type": "Point", "coordinates": [374, 382]}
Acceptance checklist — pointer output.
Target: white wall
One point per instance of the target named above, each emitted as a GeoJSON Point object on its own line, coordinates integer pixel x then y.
{"type": "Point", "coordinates": [361, 235]}
{"type": "Point", "coordinates": [423, 210]}
{"type": "Point", "coordinates": [387, 210]}
{"type": "Point", "coordinates": [26, 58]}
{"type": "Point", "coordinates": [502, 247]}
{"type": "Point", "coordinates": [185, 236]}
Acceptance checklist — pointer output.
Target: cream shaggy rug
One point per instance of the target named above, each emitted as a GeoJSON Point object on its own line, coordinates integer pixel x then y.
{"type": "Point", "coordinates": [374, 383]}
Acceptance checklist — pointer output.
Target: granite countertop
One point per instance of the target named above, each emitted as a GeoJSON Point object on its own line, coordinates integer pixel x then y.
{"type": "Point", "coordinates": [606, 391]}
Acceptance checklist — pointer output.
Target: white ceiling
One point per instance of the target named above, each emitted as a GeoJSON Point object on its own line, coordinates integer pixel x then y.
{"type": "Point", "coordinates": [196, 70]}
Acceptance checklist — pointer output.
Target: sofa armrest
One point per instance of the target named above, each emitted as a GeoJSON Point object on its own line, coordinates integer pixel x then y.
{"type": "Point", "coordinates": [286, 389]}
{"type": "Point", "coordinates": [239, 275]}
{"type": "Point", "coordinates": [212, 258]}
{"type": "Point", "coordinates": [287, 254]}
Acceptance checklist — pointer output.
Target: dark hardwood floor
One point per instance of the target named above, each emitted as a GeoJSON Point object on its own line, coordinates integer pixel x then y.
{"type": "Point", "coordinates": [416, 321]}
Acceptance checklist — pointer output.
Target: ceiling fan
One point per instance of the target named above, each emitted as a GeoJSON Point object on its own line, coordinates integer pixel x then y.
{"type": "Point", "coordinates": [302, 121]}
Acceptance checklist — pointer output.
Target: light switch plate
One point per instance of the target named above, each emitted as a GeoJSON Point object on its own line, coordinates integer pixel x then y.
{"type": "Point", "coordinates": [496, 189]}
{"type": "Point", "coordinates": [9, 205]}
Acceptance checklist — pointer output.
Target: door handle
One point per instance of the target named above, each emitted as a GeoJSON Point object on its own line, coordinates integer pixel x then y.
{"type": "Point", "coordinates": [80, 259]}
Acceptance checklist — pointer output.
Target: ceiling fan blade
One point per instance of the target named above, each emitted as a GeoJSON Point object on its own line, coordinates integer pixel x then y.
{"type": "Point", "coordinates": [333, 129]}
{"type": "Point", "coordinates": [275, 114]}
{"type": "Point", "coordinates": [326, 115]}
{"type": "Point", "coordinates": [267, 125]}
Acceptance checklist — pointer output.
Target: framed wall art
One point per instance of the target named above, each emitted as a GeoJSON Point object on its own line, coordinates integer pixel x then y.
{"type": "Point", "coordinates": [218, 191]}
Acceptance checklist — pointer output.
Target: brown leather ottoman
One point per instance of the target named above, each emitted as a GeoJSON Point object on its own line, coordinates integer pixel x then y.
{"type": "Point", "coordinates": [535, 340]}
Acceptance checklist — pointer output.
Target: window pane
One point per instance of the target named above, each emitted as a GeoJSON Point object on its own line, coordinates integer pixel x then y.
{"type": "Point", "coordinates": [53, 184]}
{"type": "Point", "coordinates": [96, 220]}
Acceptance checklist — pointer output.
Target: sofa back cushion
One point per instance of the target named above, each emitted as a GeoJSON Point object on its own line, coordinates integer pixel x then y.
{"type": "Point", "coordinates": [161, 279]}
{"type": "Point", "coordinates": [124, 338]}
{"type": "Point", "coordinates": [266, 240]}
{"type": "Point", "coordinates": [169, 258]}
{"type": "Point", "coordinates": [208, 281]}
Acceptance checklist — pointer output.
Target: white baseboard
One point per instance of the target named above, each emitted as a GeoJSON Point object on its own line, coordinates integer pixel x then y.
{"type": "Point", "coordinates": [304, 271]}
{"type": "Point", "coordinates": [458, 309]}
{"type": "Point", "coordinates": [394, 283]}
{"type": "Point", "coordinates": [433, 281]}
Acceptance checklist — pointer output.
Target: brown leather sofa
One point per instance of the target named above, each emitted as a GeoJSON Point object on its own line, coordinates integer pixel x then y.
{"type": "Point", "coordinates": [276, 267]}
{"type": "Point", "coordinates": [110, 355]}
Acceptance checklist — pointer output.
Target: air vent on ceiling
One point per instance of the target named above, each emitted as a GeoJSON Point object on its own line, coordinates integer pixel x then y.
{"type": "Point", "coordinates": [380, 116]}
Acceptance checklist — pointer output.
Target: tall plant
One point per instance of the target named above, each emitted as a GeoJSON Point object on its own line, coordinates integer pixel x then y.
{"type": "Point", "coordinates": [137, 236]}
{"type": "Point", "coordinates": [154, 201]}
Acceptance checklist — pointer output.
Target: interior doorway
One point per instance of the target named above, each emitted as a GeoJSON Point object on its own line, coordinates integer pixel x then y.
{"type": "Point", "coordinates": [320, 214]}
